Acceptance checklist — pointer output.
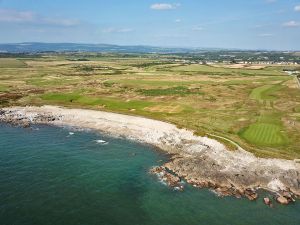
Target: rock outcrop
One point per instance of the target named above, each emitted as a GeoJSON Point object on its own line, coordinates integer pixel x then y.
{"type": "Point", "coordinates": [169, 179]}
{"type": "Point", "coordinates": [18, 118]}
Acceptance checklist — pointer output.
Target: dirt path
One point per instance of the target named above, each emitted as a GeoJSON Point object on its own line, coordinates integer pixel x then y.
{"type": "Point", "coordinates": [227, 139]}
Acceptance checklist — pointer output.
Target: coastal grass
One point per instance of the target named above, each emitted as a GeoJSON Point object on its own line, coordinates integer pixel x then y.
{"type": "Point", "coordinates": [3, 88]}
{"type": "Point", "coordinates": [179, 90]}
{"type": "Point", "coordinates": [147, 82]}
{"type": "Point", "coordinates": [63, 98]}
{"type": "Point", "coordinates": [297, 109]}
{"type": "Point", "coordinates": [108, 103]}
{"type": "Point", "coordinates": [50, 82]}
{"type": "Point", "coordinates": [255, 107]}
{"type": "Point", "coordinates": [208, 69]}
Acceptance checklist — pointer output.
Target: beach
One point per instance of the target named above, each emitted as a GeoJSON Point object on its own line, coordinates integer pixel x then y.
{"type": "Point", "coordinates": [201, 161]}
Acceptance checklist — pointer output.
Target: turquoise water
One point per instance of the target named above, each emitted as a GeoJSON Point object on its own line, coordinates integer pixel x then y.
{"type": "Point", "coordinates": [48, 176]}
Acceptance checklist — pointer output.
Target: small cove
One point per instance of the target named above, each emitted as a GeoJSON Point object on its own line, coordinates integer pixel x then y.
{"type": "Point", "coordinates": [49, 176]}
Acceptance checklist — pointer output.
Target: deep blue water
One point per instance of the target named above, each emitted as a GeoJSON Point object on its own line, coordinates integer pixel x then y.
{"type": "Point", "coordinates": [48, 176]}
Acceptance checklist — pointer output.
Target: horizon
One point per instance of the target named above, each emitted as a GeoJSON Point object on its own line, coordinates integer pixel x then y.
{"type": "Point", "coordinates": [154, 46]}
{"type": "Point", "coordinates": [259, 24]}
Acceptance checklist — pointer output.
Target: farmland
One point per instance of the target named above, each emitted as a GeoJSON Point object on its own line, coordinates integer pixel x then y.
{"type": "Point", "coordinates": [255, 106]}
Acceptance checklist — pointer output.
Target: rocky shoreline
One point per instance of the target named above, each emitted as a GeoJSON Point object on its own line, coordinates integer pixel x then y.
{"type": "Point", "coordinates": [19, 119]}
{"type": "Point", "coordinates": [200, 161]}
{"type": "Point", "coordinates": [176, 182]}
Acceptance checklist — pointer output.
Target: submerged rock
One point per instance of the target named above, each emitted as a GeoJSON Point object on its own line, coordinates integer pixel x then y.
{"type": "Point", "coordinates": [26, 124]}
{"type": "Point", "coordinates": [268, 201]}
{"type": "Point", "coordinates": [282, 200]}
{"type": "Point", "coordinates": [289, 196]}
{"type": "Point", "coordinates": [170, 179]}
{"type": "Point", "coordinates": [228, 191]}
{"type": "Point", "coordinates": [251, 194]}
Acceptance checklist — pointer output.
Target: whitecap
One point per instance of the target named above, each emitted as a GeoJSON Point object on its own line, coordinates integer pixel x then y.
{"type": "Point", "coordinates": [101, 142]}
{"type": "Point", "coordinates": [218, 194]}
{"type": "Point", "coordinates": [71, 133]}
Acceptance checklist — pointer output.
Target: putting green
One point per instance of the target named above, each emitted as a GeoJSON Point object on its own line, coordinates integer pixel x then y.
{"type": "Point", "coordinates": [264, 134]}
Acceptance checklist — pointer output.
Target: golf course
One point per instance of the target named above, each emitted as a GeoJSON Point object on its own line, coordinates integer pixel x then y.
{"type": "Point", "coordinates": [256, 107]}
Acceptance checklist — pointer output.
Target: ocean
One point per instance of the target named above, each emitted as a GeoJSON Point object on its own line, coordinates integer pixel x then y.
{"type": "Point", "coordinates": [63, 176]}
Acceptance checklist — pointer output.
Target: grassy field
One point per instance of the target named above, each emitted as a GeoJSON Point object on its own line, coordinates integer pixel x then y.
{"type": "Point", "coordinates": [257, 107]}
{"type": "Point", "coordinates": [11, 63]}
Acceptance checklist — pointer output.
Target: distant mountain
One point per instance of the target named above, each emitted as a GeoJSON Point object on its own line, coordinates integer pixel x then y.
{"type": "Point", "coordinates": [34, 47]}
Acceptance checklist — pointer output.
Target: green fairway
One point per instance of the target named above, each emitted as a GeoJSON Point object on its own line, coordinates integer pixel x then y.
{"type": "Point", "coordinates": [264, 134]}
{"type": "Point", "coordinates": [265, 92]}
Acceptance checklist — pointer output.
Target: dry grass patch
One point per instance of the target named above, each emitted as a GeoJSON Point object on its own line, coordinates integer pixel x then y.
{"type": "Point", "coordinates": [165, 109]}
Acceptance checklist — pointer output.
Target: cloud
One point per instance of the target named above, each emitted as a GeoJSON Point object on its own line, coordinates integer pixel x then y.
{"type": "Point", "coordinates": [291, 23]}
{"type": "Point", "coordinates": [297, 8]}
{"type": "Point", "coordinates": [8, 15]}
{"type": "Point", "coordinates": [164, 6]}
{"type": "Point", "coordinates": [178, 21]}
{"type": "Point", "coordinates": [258, 26]}
{"type": "Point", "coordinates": [28, 17]}
{"type": "Point", "coordinates": [61, 22]}
{"type": "Point", "coordinates": [197, 28]}
{"type": "Point", "coordinates": [270, 1]}
{"type": "Point", "coordinates": [117, 30]}
{"type": "Point", "coordinates": [265, 35]}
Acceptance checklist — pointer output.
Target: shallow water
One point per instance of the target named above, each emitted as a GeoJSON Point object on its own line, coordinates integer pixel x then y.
{"type": "Point", "coordinates": [51, 176]}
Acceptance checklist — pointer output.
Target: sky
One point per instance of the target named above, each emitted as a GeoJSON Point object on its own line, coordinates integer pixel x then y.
{"type": "Point", "coordinates": [242, 24]}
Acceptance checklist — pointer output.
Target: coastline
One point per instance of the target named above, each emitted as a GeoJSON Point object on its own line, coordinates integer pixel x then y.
{"type": "Point", "coordinates": [201, 161]}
